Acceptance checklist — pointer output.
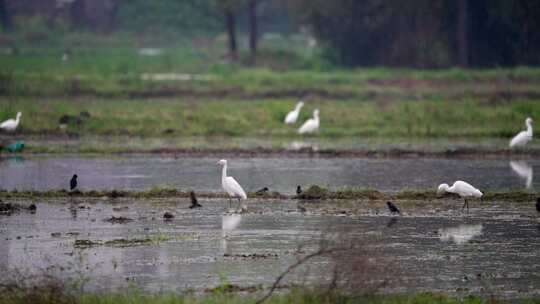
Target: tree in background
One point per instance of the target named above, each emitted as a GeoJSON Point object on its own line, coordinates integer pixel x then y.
{"type": "Point", "coordinates": [424, 33]}
{"type": "Point", "coordinates": [5, 20]}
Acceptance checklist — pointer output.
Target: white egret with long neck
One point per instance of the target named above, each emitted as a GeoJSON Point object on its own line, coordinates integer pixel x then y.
{"type": "Point", "coordinates": [293, 115]}
{"type": "Point", "coordinates": [523, 137]}
{"type": "Point", "coordinates": [11, 124]}
{"type": "Point", "coordinates": [311, 125]}
{"type": "Point", "coordinates": [231, 186]}
{"type": "Point", "coordinates": [461, 188]}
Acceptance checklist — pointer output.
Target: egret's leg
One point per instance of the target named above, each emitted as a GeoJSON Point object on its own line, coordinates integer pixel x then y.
{"type": "Point", "coordinates": [230, 203]}
{"type": "Point", "coordinates": [465, 204]}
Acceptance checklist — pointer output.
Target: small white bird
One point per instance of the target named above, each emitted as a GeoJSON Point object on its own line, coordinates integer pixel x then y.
{"type": "Point", "coordinates": [231, 186]}
{"type": "Point", "coordinates": [461, 188]}
{"type": "Point", "coordinates": [293, 115]}
{"type": "Point", "coordinates": [523, 137]}
{"type": "Point", "coordinates": [11, 124]}
{"type": "Point", "coordinates": [311, 125]}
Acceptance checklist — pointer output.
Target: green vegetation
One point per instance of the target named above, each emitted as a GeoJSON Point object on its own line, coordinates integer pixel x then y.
{"type": "Point", "coordinates": [191, 91]}
{"type": "Point", "coordinates": [221, 297]}
{"type": "Point", "coordinates": [311, 193]}
{"type": "Point", "coordinates": [353, 117]}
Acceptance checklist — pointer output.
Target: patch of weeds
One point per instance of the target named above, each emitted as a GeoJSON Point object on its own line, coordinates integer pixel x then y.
{"type": "Point", "coordinates": [82, 244]}
{"type": "Point", "coordinates": [118, 220]}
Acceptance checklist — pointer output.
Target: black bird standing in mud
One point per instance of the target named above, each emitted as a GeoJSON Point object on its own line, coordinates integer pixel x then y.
{"type": "Point", "coordinates": [73, 182]}
{"type": "Point", "coordinates": [261, 191]}
{"type": "Point", "coordinates": [298, 190]}
{"type": "Point", "coordinates": [393, 208]}
{"type": "Point", "coordinates": [538, 205]}
{"type": "Point", "coordinates": [194, 202]}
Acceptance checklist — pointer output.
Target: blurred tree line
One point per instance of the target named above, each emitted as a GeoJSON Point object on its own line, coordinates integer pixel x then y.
{"type": "Point", "coordinates": [413, 33]}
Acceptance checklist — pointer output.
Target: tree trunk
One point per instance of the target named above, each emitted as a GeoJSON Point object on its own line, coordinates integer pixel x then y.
{"type": "Point", "coordinates": [230, 23]}
{"type": "Point", "coordinates": [253, 35]}
{"type": "Point", "coordinates": [463, 47]}
{"type": "Point", "coordinates": [5, 19]}
{"type": "Point", "coordinates": [77, 14]}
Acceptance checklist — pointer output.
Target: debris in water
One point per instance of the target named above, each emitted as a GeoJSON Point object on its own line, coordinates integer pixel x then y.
{"type": "Point", "coordinates": [118, 220]}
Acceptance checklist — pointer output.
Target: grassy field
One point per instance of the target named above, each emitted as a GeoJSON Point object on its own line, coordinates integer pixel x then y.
{"type": "Point", "coordinates": [262, 118]}
{"type": "Point", "coordinates": [224, 298]}
{"type": "Point", "coordinates": [189, 90]}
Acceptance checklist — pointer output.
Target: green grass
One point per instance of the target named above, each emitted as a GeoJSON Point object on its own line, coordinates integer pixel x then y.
{"type": "Point", "coordinates": [104, 76]}
{"type": "Point", "coordinates": [262, 118]}
{"type": "Point", "coordinates": [292, 297]}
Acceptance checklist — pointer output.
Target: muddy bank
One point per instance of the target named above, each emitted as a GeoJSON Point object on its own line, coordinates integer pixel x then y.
{"type": "Point", "coordinates": [312, 193]}
{"type": "Point", "coordinates": [460, 153]}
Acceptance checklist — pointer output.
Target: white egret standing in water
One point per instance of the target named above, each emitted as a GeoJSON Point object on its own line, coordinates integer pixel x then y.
{"type": "Point", "coordinates": [231, 186]}
{"type": "Point", "coordinates": [11, 124]}
{"type": "Point", "coordinates": [311, 125]}
{"type": "Point", "coordinates": [293, 115]}
{"type": "Point", "coordinates": [461, 188]}
{"type": "Point", "coordinates": [523, 137]}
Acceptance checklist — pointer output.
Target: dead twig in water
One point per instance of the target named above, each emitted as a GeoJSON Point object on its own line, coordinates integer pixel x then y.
{"type": "Point", "coordinates": [298, 263]}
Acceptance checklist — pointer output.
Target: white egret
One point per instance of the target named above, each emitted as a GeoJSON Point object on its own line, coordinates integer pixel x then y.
{"type": "Point", "coordinates": [11, 124]}
{"type": "Point", "coordinates": [461, 188]}
{"type": "Point", "coordinates": [311, 125]}
{"type": "Point", "coordinates": [293, 115]}
{"type": "Point", "coordinates": [523, 137]}
{"type": "Point", "coordinates": [231, 186]}
{"type": "Point", "coordinates": [523, 170]}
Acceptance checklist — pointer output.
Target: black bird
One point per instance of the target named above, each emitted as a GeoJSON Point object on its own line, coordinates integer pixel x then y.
{"type": "Point", "coordinates": [538, 204]}
{"type": "Point", "coordinates": [73, 182]}
{"type": "Point", "coordinates": [194, 202]}
{"type": "Point", "coordinates": [168, 216]}
{"type": "Point", "coordinates": [261, 191]}
{"type": "Point", "coordinates": [393, 208]}
{"type": "Point", "coordinates": [298, 190]}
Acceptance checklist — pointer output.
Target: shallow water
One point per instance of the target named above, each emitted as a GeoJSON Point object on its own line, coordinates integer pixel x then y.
{"type": "Point", "coordinates": [493, 250]}
{"type": "Point", "coordinates": [139, 172]}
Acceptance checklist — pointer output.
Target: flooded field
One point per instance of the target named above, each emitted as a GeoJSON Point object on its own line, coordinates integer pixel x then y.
{"type": "Point", "coordinates": [493, 250]}
{"type": "Point", "coordinates": [139, 172]}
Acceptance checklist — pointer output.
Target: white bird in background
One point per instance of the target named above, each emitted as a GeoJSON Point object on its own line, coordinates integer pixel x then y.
{"type": "Point", "coordinates": [523, 137]}
{"type": "Point", "coordinates": [293, 115]}
{"type": "Point", "coordinates": [11, 124]}
{"type": "Point", "coordinates": [231, 186]}
{"type": "Point", "coordinates": [311, 125]}
{"type": "Point", "coordinates": [461, 188]}
{"type": "Point", "coordinates": [523, 170]}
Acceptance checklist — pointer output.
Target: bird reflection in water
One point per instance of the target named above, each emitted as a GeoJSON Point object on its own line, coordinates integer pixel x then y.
{"type": "Point", "coordinates": [460, 234]}
{"type": "Point", "coordinates": [523, 170]}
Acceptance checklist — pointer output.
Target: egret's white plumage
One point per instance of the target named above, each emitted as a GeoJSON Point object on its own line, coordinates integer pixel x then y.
{"type": "Point", "coordinates": [523, 137]}
{"type": "Point", "coordinates": [523, 170]}
{"type": "Point", "coordinates": [311, 125]}
{"type": "Point", "coordinates": [293, 115]}
{"type": "Point", "coordinates": [11, 124]}
{"type": "Point", "coordinates": [230, 185]}
{"type": "Point", "coordinates": [461, 188]}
